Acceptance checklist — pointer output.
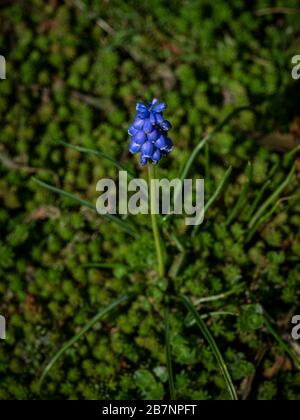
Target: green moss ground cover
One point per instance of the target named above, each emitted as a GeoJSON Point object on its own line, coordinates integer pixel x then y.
{"type": "Point", "coordinates": [74, 73]}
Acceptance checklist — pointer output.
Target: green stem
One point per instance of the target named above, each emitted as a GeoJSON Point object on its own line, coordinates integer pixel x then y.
{"type": "Point", "coordinates": [213, 345]}
{"type": "Point", "coordinates": [168, 353]}
{"type": "Point", "coordinates": [207, 138]}
{"type": "Point", "coordinates": [272, 198]}
{"type": "Point", "coordinates": [155, 229]}
{"type": "Point", "coordinates": [213, 198]}
{"type": "Point", "coordinates": [78, 336]}
{"type": "Point", "coordinates": [127, 227]}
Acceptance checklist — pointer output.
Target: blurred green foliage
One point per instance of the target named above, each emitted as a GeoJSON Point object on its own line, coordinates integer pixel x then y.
{"type": "Point", "coordinates": [74, 73]}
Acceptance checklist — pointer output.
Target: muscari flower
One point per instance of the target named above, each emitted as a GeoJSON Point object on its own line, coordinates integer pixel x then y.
{"type": "Point", "coordinates": [149, 132]}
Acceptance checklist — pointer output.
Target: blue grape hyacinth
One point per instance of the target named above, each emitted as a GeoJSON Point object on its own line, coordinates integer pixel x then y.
{"type": "Point", "coordinates": [149, 132]}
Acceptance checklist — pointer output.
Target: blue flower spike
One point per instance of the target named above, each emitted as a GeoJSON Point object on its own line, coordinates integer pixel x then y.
{"type": "Point", "coordinates": [149, 132]}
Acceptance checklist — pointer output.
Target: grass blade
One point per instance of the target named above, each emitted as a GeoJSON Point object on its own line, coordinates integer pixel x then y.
{"type": "Point", "coordinates": [189, 320]}
{"type": "Point", "coordinates": [186, 169]}
{"type": "Point", "coordinates": [202, 143]}
{"type": "Point", "coordinates": [284, 346]}
{"type": "Point", "coordinates": [127, 227]}
{"type": "Point", "coordinates": [168, 353]}
{"type": "Point", "coordinates": [214, 197]}
{"type": "Point", "coordinates": [272, 198]}
{"type": "Point", "coordinates": [77, 337]}
{"type": "Point", "coordinates": [99, 154]}
{"type": "Point", "coordinates": [207, 168]}
{"type": "Point", "coordinates": [213, 345]}
{"type": "Point", "coordinates": [219, 313]}
{"type": "Point", "coordinates": [261, 193]}
{"type": "Point", "coordinates": [223, 295]}
{"type": "Point", "coordinates": [262, 220]}
{"type": "Point", "coordinates": [219, 189]}
{"type": "Point", "coordinates": [242, 198]}
{"type": "Point", "coordinates": [267, 216]}
{"type": "Point", "coordinates": [291, 155]}
{"type": "Point", "coordinates": [257, 199]}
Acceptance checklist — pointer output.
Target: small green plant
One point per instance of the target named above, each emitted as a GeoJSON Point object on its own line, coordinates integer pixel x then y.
{"type": "Point", "coordinates": [88, 314]}
{"type": "Point", "coordinates": [251, 316]}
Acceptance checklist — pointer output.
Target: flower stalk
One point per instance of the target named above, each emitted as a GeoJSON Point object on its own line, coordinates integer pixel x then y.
{"type": "Point", "coordinates": [154, 222]}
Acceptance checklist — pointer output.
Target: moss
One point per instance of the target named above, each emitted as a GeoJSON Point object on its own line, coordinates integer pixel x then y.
{"type": "Point", "coordinates": [73, 80]}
